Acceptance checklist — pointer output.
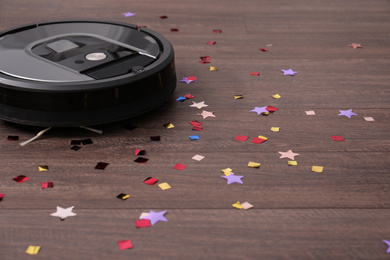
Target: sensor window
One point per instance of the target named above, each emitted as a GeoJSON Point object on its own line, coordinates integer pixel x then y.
{"type": "Point", "coordinates": [62, 45]}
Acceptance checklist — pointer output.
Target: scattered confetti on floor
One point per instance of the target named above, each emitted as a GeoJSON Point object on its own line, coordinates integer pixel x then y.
{"type": "Point", "coordinates": [21, 178]}
{"type": "Point", "coordinates": [232, 178]}
{"type": "Point", "coordinates": [125, 244]}
{"type": "Point", "coordinates": [63, 213]}
{"type": "Point", "coordinates": [33, 250]}
{"type": "Point", "coordinates": [318, 169]}
{"type": "Point", "coordinates": [348, 113]}
{"type": "Point", "coordinates": [123, 196]}
{"type": "Point", "coordinates": [180, 166]}
{"type": "Point", "coordinates": [150, 181]}
{"type": "Point", "coordinates": [164, 186]}
{"type": "Point", "coordinates": [198, 157]}
{"type": "Point", "coordinates": [289, 154]}
{"type": "Point", "coordinates": [156, 217]}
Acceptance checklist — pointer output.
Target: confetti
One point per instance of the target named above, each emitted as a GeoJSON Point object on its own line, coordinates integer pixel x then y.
{"type": "Point", "coordinates": [310, 113]}
{"type": "Point", "coordinates": [387, 242]}
{"type": "Point", "coordinates": [246, 205]}
{"type": "Point", "coordinates": [204, 61]}
{"type": "Point", "coordinates": [232, 178]}
{"type": "Point", "coordinates": [150, 181]}
{"type": "Point", "coordinates": [1, 196]}
{"type": "Point", "coordinates": [33, 250]}
{"type": "Point", "coordinates": [194, 137]}
{"type": "Point", "coordinates": [155, 138]}
{"type": "Point", "coordinates": [211, 43]}
{"type": "Point", "coordinates": [139, 152]}
{"type": "Point", "coordinates": [47, 185]}
{"type": "Point", "coordinates": [289, 154]}
{"type": "Point", "coordinates": [292, 163]}
{"type": "Point", "coordinates": [238, 96]}
{"type": "Point", "coordinates": [348, 113]}
{"type": "Point", "coordinates": [241, 138]}
{"type": "Point", "coordinates": [263, 49]}
{"type": "Point", "coordinates": [199, 105]}
{"type": "Point", "coordinates": [258, 140]}
{"type": "Point", "coordinates": [197, 128]}
{"type": "Point", "coordinates": [12, 138]}
{"type": "Point", "coordinates": [198, 157]}
{"type": "Point", "coordinates": [125, 244]}
{"type": "Point", "coordinates": [369, 118]}
{"type": "Point", "coordinates": [317, 169]}
{"type": "Point", "coordinates": [123, 196]}
{"type": "Point", "coordinates": [174, 30]}
{"type": "Point", "coordinates": [271, 109]}
{"type": "Point", "coordinates": [128, 14]}
{"type": "Point", "coordinates": [101, 165]}
{"type": "Point", "coordinates": [155, 217]}
{"type": "Point", "coordinates": [227, 171]}
{"type": "Point", "coordinates": [189, 79]}
{"type": "Point", "coordinates": [179, 166]}
{"type": "Point", "coordinates": [181, 99]}
{"type": "Point", "coordinates": [205, 114]}
{"type": "Point", "coordinates": [43, 168]}
{"type": "Point", "coordinates": [163, 17]}
{"type": "Point", "coordinates": [205, 58]}
{"type": "Point", "coordinates": [254, 164]}
{"type": "Point", "coordinates": [141, 223]}
{"type": "Point", "coordinates": [141, 160]}
{"type": "Point", "coordinates": [238, 205]}
{"type": "Point", "coordinates": [255, 74]}
{"type": "Point", "coordinates": [188, 96]}
{"type": "Point", "coordinates": [337, 138]}
{"type": "Point", "coordinates": [196, 123]}
{"type": "Point", "coordinates": [21, 178]}
{"type": "Point", "coordinates": [276, 96]}
{"type": "Point", "coordinates": [217, 31]}
{"type": "Point", "coordinates": [63, 213]}
{"type": "Point", "coordinates": [168, 125]}
{"type": "Point", "coordinates": [260, 110]}
{"type": "Point", "coordinates": [164, 186]}
{"type": "Point", "coordinates": [275, 129]}
{"type": "Point", "coordinates": [355, 45]}
{"type": "Point", "coordinates": [213, 68]}
{"type": "Point", "coordinates": [289, 72]}
{"type": "Point", "coordinates": [75, 148]}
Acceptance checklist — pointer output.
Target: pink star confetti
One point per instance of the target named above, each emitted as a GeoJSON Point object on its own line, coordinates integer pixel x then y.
{"type": "Point", "coordinates": [205, 114]}
{"type": "Point", "coordinates": [289, 154]}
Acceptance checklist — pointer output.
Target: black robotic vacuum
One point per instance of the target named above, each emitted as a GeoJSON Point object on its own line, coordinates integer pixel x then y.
{"type": "Point", "coordinates": [79, 73]}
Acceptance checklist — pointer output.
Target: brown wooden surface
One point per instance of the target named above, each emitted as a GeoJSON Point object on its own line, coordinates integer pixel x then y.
{"type": "Point", "coordinates": [343, 213]}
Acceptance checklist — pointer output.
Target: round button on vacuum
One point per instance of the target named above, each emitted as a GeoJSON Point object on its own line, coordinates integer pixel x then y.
{"type": "Point", "coordinates": [96, 56]}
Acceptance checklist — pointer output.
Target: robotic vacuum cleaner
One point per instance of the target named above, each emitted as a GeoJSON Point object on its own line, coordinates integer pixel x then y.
{"type": "Point", "coordinates": [79, 73]}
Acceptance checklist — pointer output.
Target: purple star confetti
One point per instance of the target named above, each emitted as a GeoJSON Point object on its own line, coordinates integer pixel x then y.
{"type": "Point", "coordinates": [188, 80]}
{"type": "Point", "coordinates": [388, 244]}
{"type": "Point", "coordinates": [128, 14]}
{"type": "Point", "coordinates": [155, 217]}
{"type": "Point", "coordinates": [260, 110]}
{"type": "Point", "coordinates": [348, 113]}
{"type": "Point", "coordinates": [289, 72]}
{"type": "Point", "coordinates": [231, 178]}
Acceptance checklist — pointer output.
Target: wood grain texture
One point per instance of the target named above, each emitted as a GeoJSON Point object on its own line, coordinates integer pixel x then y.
{"type": "Point", "coordinates": [342, 213]}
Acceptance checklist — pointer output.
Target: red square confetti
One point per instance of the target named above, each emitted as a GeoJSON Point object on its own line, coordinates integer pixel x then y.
{"type": "Point", "coordinates": [101, 165]}
{"type": "Point", "coordinates": [195, 123]}
{"type": "Point", "coordinates": [150, 181]}
{"type": "Point", "coordinates": [257, 140]}
{"type": "Point", "coordinates": [197, 128]}
{"type": "Point", "coordinates": [139, 152]}
{"type": "Point", "coordinates": [255, 73]}
{"type": "Point", "coordinates": [1, 196]}
{"type": "Point", "coordinates": [21, 178]}
{"type": "Point", "coordinates": [141, 160]}
{"type": "Point", "coordinates": [204, 58]}
{"type": "Point", "coordinates": [46, 185]}
{"type": "Point", "coordinates": [193, 78]}
{"type": "Point", "coordinates": [188, 96]}
{"type": "Point", "coordinates": [142, 223]}
{"type": "Point", "coordinates": [211, 43]}
{"type": "Point", "coordinates": [174, 30]}
{"type": "Point", "coordinates": [163, 17]}
{"type": "Point", "coordinates": [337, 138]}
{"type": "Point", "coordinates": [217, 31]}
{"type": "Point", "coordinates": [125, 244]}
{"type": "Point", "coordinates": [204, 61]}
{"type": "Point", "coordinates": [241, 138]}
{"type": "Point", "coordinates": [271, 109]}
{"type": "Point", "coordinates": [263, 49]}
{"type": "Point", "coordinates": [179, 166]}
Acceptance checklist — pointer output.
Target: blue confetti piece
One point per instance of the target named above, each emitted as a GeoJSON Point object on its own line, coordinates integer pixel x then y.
{"type": "Point", "coordinates": [181, 99]}
{"type": "Point", "coordinates": [194, 137]}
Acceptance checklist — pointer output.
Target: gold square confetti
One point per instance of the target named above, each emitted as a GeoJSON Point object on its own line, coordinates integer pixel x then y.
{"type": "Point", "coordinates": [237, 205]}
{"type": "Point", "coordinates": [33, 250]}
{"type": "Point", "coordinates": [164, 186]}
{"type": "Point", "coordinates": [213, 68]}
{"type": "Point", "coordinates": [276, 96]}
{"type": "Point", "coordinates": [227, 171]}
{"type": "Point", "coordinates": [292, 163]}
{"type": "Point", "coordinates": [275, 129]}
{"type": "Point", "coordinates": [317, 169]}
{"type": "Point", "coordinates": [169, 126]}
{"type": "Point", "coordinates": [238, 96]}
{"type": "Point", "coordinates": [254, 164]}
{"type": "Point", "coordinates": [263, 137]}
{"type": "Point", "coordinates": [43, 168]}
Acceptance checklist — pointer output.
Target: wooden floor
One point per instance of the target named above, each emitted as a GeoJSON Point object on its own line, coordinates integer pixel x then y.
{"type": "Point", "coordinates": [342, 213]}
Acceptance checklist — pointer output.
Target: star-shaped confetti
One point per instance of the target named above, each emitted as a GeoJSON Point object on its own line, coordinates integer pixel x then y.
{"type": "Point", "coordinates": [348, 113]}
{"type": "Point", "coordinates": [206, 114]}
{"type": "Point", "coordinates": [189, 80]}
{"type": "Point", "coordinates": [155, 217]}
{"type": "Point", "coordinates": [63, 213]}
{"type": "Point", "coordinates": [199, 105]}
{"type": "Point", "coordinates": [128, 14]}
{"type": "Point", "coordinates": [260, 110]}
{"type": "Point", "coordinates": [289, 72]}
{"type": "Point", "coordinates": [289, 154]}
{"type": "Point", "coordinates": [355, 45]}
{"type": "Point", "coordinates": [387, 242]}
{"type": "Point", "coordinates": [232, 178]}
